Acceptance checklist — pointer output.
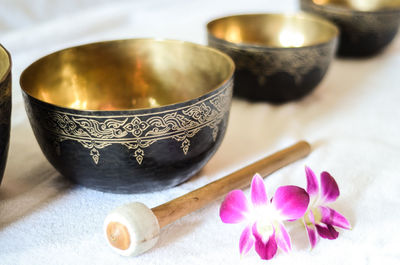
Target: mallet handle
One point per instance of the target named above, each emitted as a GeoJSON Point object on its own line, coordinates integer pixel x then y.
{"type": "Point", "coordinates": [192, 201]}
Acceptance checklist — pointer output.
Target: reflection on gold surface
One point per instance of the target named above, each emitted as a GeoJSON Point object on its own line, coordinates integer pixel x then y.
{"type": "Point", "coordinates": [273, 30]}
{"type": "Point", "coordinates": [129, 74]}
{"type": "Point", "coordinates": [5, 63]}
{"type": "Point", "coordinates": [233, 34]}
{"type": "Point", "coordinates": [361, 5]}
{"type": "Point", "coordinates": [289, 38]}
{"type": "Point", "coordinates": [320, 2]}
{"type": "Point", "coordinates": [153, 102]}
{"type": "Point", "coordinates": [78, 104]}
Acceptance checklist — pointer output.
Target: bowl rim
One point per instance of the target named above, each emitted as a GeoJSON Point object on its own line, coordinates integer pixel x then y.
{"type": "Point", "coordinates": [177, 103]}
{"type": "Point", "coordinates": [348, 10]}
{"type": "Point", "coordinates": [8, 70]}
{"type": "Point", "coordinates": [301, 15]}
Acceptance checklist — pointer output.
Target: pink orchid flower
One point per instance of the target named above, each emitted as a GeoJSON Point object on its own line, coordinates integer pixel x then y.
{"type": "Point", "coordinates": [264, 218]}
{"type": "Point", "coordinates": [320, 219]}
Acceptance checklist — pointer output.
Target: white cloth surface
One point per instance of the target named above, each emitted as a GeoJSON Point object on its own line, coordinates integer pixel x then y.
{"type": "Point", "coordinates": [352, 121]}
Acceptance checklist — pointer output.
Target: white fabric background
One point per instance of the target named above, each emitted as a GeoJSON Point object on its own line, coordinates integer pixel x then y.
{"type": "Point", "coordinates": [352, 120]}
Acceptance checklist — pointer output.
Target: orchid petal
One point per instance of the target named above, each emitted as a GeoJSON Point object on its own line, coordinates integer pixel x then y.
{"type": "Point", "coordinates": [234, 207]}
{"type": "Point", "coordinates": [312, 235]}
{"type": "Point", "coordinates": [327, 231]}
{"type": "Point", "coordinates": [311, 217]}
{"type": "Point", "coordinates": [329, 187]}
{"type": "Point", "coordinates": [309, 222]}
{"type": "Point", "coordinates": [291, 201]}
{"type": "Point", "coordinates": [246, 241]}
{"type": "Point", "coordinates": [312, 182]}
{"type": "Point", "coordinates": [258, 194]}
{"type": "Point", "coordinates": [283, 239]}
{"type": "Point", "coordinates": [265, 250]}
{"type": "Point", "coordinates": [332, 217]}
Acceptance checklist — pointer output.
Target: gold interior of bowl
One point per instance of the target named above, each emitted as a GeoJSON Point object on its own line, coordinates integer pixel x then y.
{"type": "Point", "coordinates": [273, 30]}
{"type": "Point", "coordinates": [5, 63]}
{"type": "Point", "coordinates": [361, 5]}
{"type": "Point", "coordinates": [126, 74]}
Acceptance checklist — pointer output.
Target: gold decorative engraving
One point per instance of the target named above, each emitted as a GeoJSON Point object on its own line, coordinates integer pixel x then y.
{"type": "Point", "coordinates": [264, 63]}
{"type": "Point", "coordinates": [137, 132]}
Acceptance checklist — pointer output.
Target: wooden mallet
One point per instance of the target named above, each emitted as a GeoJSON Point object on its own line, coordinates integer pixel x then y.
{"type": "Point", "coordinates": [134, 228]}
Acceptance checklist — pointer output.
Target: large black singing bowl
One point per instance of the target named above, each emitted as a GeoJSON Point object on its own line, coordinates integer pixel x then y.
{"type": "Point", "coordinates": [129, 116]}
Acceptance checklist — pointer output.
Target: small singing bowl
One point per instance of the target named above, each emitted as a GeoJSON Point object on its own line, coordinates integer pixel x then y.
{"type": "Point", "coordinates": [366, 27]}
{"type": "Point", "coordinates": [129, 116]}
{"type": "Point", "coordinates": [278, 57]}
{"type": "Point", "coordinates": [5, 107]}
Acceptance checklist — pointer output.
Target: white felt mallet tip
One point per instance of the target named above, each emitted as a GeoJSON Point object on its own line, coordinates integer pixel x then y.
{"type": "Point", "coordinates": [131, 229]}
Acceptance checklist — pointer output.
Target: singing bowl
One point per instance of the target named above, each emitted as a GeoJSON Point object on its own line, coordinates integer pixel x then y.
{"type": "Point", "coordinates": [129, 116]}
{"type": "Point", "coordinates": [5, 107]}
{"type": "Point", "coordinates": [278, 57]}
{"type": "Point", "coordinates": [366, 27]}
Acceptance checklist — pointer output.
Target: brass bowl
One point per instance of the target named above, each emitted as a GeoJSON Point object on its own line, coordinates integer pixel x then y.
{"type": "Point", "coordinates": [366, 27]}
{"type": "Point", "coordinates": [278, 57]}
{"type": "Point", "coordinates": [129, 116]}
{"type": "Point", "coordinates": [5, 107]}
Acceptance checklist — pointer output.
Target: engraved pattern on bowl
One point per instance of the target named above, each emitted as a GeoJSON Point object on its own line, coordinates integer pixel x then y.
{"type": "Point", "coordinates": [138, 131]}
{"type": "Point", "coordinates": [295, 62]}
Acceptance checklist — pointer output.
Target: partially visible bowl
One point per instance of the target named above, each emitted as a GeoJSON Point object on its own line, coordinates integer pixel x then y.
{"type": "Point", "coordinates": [129, 116]}
{"type": "Point", "coordinates": [366, 27]}
{"type": "Point", "coordinates": [5, 107]}
{"type": "Point", "coordinates": [278, 57]}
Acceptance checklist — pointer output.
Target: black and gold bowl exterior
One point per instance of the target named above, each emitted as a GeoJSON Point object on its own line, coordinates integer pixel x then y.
{"type": "Point", "coordinates": [366, 27]}
{"type": "Point", "coordinates": [278, 57]}
{"type": "Point", "coordinates": [129, 116]}
{"type": "Point", "coordinates": [5, 107]}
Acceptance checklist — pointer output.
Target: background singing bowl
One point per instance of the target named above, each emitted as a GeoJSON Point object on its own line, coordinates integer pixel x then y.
{"type": "Point", "coordinates": [278, 57]}
{"type": "Point", "coordinates": [366, 27]}
{"type": "Point", "coordinates": [5, 107]}
{"type": "Point", "coordinates": [129, 116]}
